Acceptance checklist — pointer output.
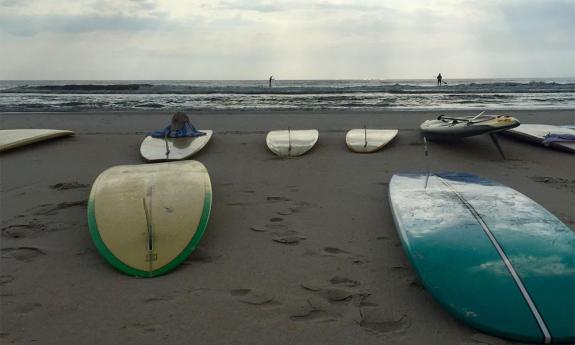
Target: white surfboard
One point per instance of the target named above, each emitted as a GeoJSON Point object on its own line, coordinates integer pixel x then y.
{"type": "Point", "coordinates": [537, 132]}
{"type": "Point", "coordinates": [12, 138]}
{"type": "Point", "coordinates": [172, 149]}
{"type": "Point", "coordinates": [292, 143]}
{"type": "Point", "coordinates": [369, 140]}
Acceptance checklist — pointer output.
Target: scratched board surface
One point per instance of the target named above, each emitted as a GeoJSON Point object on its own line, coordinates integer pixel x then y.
{"type": "Point", "coordinates": [490, 255]}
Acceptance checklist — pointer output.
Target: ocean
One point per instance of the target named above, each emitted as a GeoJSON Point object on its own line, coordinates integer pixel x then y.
{"type": "Point", "coordinates": [285, 95]}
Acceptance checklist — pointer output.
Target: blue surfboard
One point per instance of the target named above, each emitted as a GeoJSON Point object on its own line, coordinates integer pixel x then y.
{"type": "Point", "coordinates": [491, 256]}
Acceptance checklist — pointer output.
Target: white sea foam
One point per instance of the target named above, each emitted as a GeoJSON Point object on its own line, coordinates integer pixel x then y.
{"type": "Point", "coordinates": [286, 95]}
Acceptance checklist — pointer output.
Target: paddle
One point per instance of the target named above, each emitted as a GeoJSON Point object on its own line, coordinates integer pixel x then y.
{"type": "Point", "coordinates": [469, 121]}
{"type": "Point", "coordinates": [496, 142]}
{"type": "Point", "coordinates": [365, 135]}
{"type": "Point", "coordinates": [476, 116]}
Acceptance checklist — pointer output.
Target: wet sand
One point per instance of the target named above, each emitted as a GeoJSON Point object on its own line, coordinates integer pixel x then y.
{"type": "Point", "coordinates": [297, 251]}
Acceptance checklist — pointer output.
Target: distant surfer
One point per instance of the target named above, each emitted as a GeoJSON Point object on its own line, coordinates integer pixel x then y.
{"type": "Point", "coordinates": [439, 78]}
{"type": "Point", "coordinates": [271, 78]}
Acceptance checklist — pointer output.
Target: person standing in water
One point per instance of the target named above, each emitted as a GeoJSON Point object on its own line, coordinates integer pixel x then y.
{"type": "Point", "coordinates": [271, 78]}
{"type": "Point", "coordinates": [439, 78]}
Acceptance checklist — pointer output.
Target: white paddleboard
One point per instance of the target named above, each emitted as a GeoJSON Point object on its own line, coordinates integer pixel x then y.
{"type": "Point", "coordinates": [172, 149]}
{"type": "Point", "coordinates": [536, 133]}
{"type": "Point", "coordinates": [369, 140]}
{"type": "Point", "coordinates": [292, 143]}
{"type": "Point", "coordinates": [12, 138]}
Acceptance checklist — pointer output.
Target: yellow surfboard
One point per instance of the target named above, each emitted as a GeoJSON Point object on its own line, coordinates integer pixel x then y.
{"type": "Point", "coordinates": [12, 138]}
{"type": "Point", "coordinates": [146, 219]}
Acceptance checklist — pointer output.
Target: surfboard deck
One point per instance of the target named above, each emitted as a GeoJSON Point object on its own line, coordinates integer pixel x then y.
{"type": "Point", "coordinates": [535, 133]}
{"type": "Point", "coordinates": [146, 219]}
{"type": "Point", "coordinates": [491, 256]}
{"type": "Point", "coordinates": [447, 128]}
{"type": "Point", "coordinates": [13, 138]}
{"type": "Point", "coordinates": [368, 140]}
{"type": "Point", "coordinates": [154, 149]}
{"type": "Point", "coordinates": [291, 143]}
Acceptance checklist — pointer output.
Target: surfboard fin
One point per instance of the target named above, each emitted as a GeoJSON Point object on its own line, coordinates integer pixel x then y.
{"type": "Point", "coordinates": [289, 141]}
{"type": "Point", "coordinates": [150, 255]}
{"type": "Point", "coordinates": [426, 161]}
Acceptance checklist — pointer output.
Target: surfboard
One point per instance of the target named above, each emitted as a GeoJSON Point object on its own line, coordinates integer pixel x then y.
{"type": "Point", "coordinates": [171, 149]}
{"type": "Point", "coordinates": [448, 128]}
{"type": "Point", "coordinates": [13, 138]}
{"type": "Point", "coordinates": [368, 140]}
{"type": "Point", "coordinates": [491, 256]}
{"type": "Point", "coordinates": [146, 219]}
{"type": "Point", "coordinates": [291, 143]}
{"type": "Point", "coordinates": [536, 133]}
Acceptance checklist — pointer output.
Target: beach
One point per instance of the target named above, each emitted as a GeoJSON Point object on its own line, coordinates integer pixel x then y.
{"type": "Point", "coordinates": [297, 251]}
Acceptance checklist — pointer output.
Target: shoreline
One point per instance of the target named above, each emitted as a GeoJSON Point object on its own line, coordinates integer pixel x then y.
{"type": "Point", "coordinates": [346, 280]}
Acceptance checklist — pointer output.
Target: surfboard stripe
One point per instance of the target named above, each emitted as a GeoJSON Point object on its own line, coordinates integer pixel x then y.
{"type": "Point", "coordinates": [506, 261]}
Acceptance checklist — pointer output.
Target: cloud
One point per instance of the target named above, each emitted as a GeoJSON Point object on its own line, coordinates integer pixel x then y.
{"type": "Point", "coordinates": [70, 24]}
{"type": "Point", "coordinates": [253, 5]}
{"type": "Point", "coordinates": [292, 38]}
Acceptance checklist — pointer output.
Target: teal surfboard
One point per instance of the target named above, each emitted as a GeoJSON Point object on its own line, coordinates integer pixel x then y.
{"type": "Point", "coordinates": [491, 256]}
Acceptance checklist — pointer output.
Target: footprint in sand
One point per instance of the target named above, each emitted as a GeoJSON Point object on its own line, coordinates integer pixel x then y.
{"type": "Point", "coordinates": [143, 327]}
{"type": "Point", "coordinates": [68, 185]}
{"type": "Point", "coordinates": [159, 299]}
{"type": "Point", "coordinates": [276, 219]}
{"type": "Point", "coordinates": [26, 308]}
{"type": "Point", "coordinates": [288, 237]}
{"type": "Point", "coordinates": [267, 227]}
{"type": "Point", "coordinates": [6, 278]}
{"type": "Point", "coordinates": [237, 204]}
{"type": "Point", "coordinates": [343, 281]}
{"type": "Point", "coordinates": [339, 295]}
{"type": "Point", "coordinates": [313, 310]}
{"type": "Point", "coordinates": [556, 182]}
{"type": "Point", "coordinates": [378, 321]}
{"type": "Point", "coordinates": [16, 231]}
{"type": "Point", "coordinates": [314, 285]}
{"type": "Point", "coordinates": [47, 209]}
{"type": "Point", "coordinates": [258, 228]}
{"type": "Point", "coordinates": [249, 296]}
{"type": "Point", "coordinates": [277, 198]}
{"type": "Point", "coordinates": [333, 251]}
{"type": "Point", "coordinates": [25, 254]}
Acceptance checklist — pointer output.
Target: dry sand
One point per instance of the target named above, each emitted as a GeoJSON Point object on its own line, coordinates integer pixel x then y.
{"type": "Point", "coordinates": [297, 251]}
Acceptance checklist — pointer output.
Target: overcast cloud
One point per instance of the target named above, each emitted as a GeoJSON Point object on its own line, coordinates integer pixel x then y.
{"type": "Point", "coordinates": [294, 39]}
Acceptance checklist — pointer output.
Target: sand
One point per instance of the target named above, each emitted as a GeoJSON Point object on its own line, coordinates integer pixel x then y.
{"type": "Point", "coordinates": [297, 251]}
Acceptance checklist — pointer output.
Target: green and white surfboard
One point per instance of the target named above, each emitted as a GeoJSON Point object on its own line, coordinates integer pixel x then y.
{"type": "Point", "coordinates": [146, 219]}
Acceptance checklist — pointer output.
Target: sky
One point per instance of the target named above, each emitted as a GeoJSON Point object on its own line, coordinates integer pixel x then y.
{"type": "Point", "coordinates": [291, 39]}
